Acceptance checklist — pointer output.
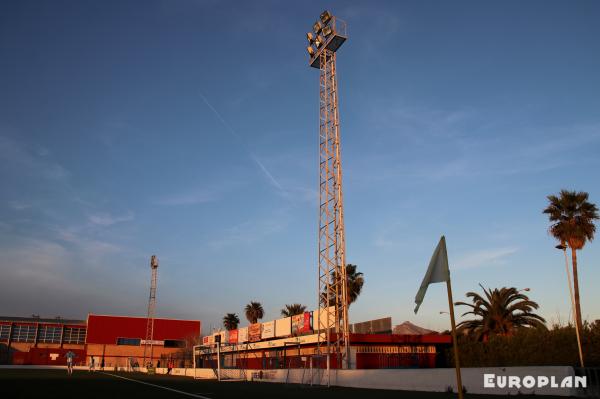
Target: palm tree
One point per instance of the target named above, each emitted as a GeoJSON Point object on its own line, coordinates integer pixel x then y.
{"type": "Point", "coordinates": [499, 312]}
{"type": "Point", "coordinates": [254, 311]}
{"type": "Point", "coordinates": [231, 321]}
{"type": "Point", "coordinates": [355, 281]}
{"type": "Point", "coordinates": [293, 310]}
{"type": "Point", "coordinates": [572, 218]}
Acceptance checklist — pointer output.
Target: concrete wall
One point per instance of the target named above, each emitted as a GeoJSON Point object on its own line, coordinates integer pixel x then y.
{"type": "Point", "coordinates": [432, 380]}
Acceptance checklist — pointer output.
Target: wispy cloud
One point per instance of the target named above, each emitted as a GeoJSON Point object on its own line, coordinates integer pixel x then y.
{"type": "Point", "coordinates": [188, 199]}
{"type": "Point", "coordinates": [248, 232]}
{"type": "Point", "coordinates": [106, 219]}
{"type": "Point", "coordinates": [484, 257]}
{"type": "Point", "coordinates": [30, 162]}
{"type": "Point", "coordinates": [19, 205]}
{"type": "Point", "coordinates": [208, 193]}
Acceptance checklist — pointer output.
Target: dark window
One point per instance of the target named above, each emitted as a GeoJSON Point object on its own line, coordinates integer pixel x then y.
{"type": "Point", "coordinates": [4, 332]}
{"type": "Point", "coordinates": [174, 343]}
{"type": "Point", "coordinates": [23, 333]}
{"type": "Point", "coordinates": [74, 335]}
{"type": "Point", "coordinates": [50, 335]}
{"type": "Point", "coordinates": [129, 341]}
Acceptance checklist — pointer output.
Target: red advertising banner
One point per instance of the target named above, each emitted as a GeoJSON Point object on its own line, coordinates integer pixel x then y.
{"type": "Point", "coordinates": [254, 331]}
{"type": "Point", "coordinates": [233, 336]}
{"type": "Point", "coordinates": [301, 323]}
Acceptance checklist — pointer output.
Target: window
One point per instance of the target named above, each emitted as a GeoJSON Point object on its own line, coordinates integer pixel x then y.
{"type": "Point", "coordinates": [129, 341]}
{"type": "Point", "coordinates": [174, 343]}
{"type": "Point", "coordinates": [50, 335]}
{"type": "Point", "coordinates": [4, 332]}
{"type": "Point", "coordinates": [74, 335]}
{"type": "Point", "coordinates": [23, 333]}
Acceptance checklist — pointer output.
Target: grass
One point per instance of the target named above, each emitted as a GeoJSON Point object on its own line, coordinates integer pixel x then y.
{"type": "Point", "coordinates": [16, 383]}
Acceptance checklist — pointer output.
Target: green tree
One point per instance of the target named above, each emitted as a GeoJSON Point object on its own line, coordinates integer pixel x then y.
{"type": "Point", "coordinates": [293, 310]}
{"type": "Point", "coordinates": [254, 312]}
{"type": "Point", "coordinates": [231, 321]}
{"type": "Point", "coordinates": [499, 312]}
{"type": "Point", "coordinates": [572, 218]}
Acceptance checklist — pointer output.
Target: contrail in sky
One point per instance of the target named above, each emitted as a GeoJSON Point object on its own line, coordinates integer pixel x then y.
{"type": "Point", "coordinates": [236, 136]}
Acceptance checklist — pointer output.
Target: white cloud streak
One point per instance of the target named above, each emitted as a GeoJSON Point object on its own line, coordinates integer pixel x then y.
{"type": "Point", "coordinates": [271, 179]}
{"type": "Point", "coordinates": [484, 257]}
{"type": "Point", "coordinates": [106, 219]}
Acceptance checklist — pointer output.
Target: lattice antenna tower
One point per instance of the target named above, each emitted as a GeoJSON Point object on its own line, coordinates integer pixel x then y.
{"type": "Point", "coordinates": [151, 308]}
{"type": "Point", "coordinates": [326, 37]}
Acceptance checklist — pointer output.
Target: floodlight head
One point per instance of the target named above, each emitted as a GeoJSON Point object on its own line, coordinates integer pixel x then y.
{"type": "Point", "coordinates": [154, 262]}
{"type": "Point", "coordinates": [327, 31]}
{"type": "Point", "coordinates": [325, 16]}
{"type": "Point", "coordinates": [317, 27]}
{"type": "Point", "coordinates": [311, 51]}
{"type": "Point", "coordinates": [310, 37]}
{"type": "Point", "coordinates": [319, 41]}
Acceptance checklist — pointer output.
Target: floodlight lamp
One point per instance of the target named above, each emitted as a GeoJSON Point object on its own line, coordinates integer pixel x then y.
{"type": "Point", "coordinates": [311, 50]}
{"type": "Point", "coordinates": [319, 41]}
{"type": "Point", "coordinates": [327, 31]}
{"type": "Point", "coordinates": [310, 37]}
{"type": "Point", "coordinates": [317, 27]}
{"type": "Point", "coordinates": [325, 16]}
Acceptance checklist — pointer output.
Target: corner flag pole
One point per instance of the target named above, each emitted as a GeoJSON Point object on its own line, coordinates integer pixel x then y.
{"type": "Point", "coordinates": [454, 341]}
{"type": "Point", "coordinates": [438, 271]}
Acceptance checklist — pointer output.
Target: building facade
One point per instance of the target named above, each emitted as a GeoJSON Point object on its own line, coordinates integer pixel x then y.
{"type": "Point", "coordinates": [113, 341]}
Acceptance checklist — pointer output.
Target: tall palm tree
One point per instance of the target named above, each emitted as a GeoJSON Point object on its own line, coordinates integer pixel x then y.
{"type": "Point", "coordinates": [499, 311]}
{"type": "Point", "coordinates": [293, 310]}
{"type": "Point", "coordinates": [572, 218]}
{"type": "Point", "coordinates": [356, 281]}
{"type": "Point", "coordinates": [254, 311]}
{"type": "Point", "coordinates": [354, 284]}
{"type": "Point", "coordinates": [231, 321]}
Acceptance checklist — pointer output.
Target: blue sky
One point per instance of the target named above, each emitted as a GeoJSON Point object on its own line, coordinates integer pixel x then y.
{"type": "Point", "coordinates": [188, 130]}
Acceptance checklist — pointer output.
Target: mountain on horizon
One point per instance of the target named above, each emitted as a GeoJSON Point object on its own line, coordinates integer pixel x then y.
{"type": "Point", "coordinates": [408, 328]}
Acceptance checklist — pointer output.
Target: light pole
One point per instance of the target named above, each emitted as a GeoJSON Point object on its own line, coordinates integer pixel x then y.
{"type": "Point", "coordinates": [327, 35]}
{"type": "Point", "coordinates": [563, 247]}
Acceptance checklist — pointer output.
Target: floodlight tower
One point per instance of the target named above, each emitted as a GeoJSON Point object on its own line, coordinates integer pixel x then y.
{"type": "Point", "coordinates": [328, 34]}
{"type": "Point", "coordinates": [151, 307]}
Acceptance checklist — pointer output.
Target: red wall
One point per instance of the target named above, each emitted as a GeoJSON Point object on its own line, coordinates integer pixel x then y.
{"type": "Point", "coordinates": [106, 329]}
{"type": "Point", "coordinates": [41, 356]}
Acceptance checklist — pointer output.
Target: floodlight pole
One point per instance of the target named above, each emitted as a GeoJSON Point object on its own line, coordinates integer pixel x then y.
{"type": "Point", "coordinates": [151, 309]}
{"type": "Point", "coordinates": [328, 36]}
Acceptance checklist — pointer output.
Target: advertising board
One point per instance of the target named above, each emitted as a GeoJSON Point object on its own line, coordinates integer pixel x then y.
{"type": "Point", "coordinates": [233, 336]}
{"type": "Point", "coordinates": [254, 331]}
{"type": "Point", "coordinates": [283, 327]}
{"type": "Point", "coordinates": [268, 330]}
{"type": "Point", "coordinates": [301, 323]}
{"type": "Point", "coordinates": [242, 334]}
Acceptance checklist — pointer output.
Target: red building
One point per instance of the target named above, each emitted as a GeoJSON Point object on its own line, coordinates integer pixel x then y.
{"type": "Point", "coordinates": [112, 340]}
{"type": "Point", "coordinates": [120, 340]}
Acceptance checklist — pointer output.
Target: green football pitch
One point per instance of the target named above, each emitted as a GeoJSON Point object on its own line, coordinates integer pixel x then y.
{"type": "Point", "coordinates": [15, 383]}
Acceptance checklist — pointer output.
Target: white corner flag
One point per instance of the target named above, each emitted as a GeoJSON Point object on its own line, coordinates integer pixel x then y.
{"type": "Point", "coordinates": [437, 271]}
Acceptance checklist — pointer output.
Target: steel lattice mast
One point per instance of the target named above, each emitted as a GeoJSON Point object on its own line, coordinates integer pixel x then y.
{"type": "Point", "coordinates": [151, 308]}
{"type": "Point", "coordinates": [329, 33]}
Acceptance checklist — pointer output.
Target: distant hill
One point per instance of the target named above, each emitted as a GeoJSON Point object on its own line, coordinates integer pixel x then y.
{"type": "Point", "coordinates": [408, 328]}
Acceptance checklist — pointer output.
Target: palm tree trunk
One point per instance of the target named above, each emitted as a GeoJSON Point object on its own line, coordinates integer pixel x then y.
{"type": "Point", "coordinates": [576, 289]}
